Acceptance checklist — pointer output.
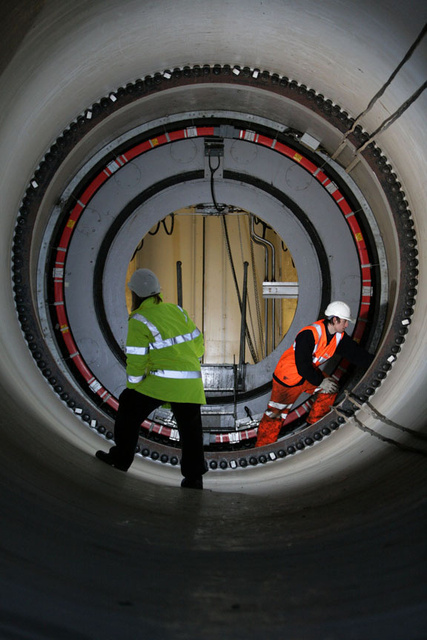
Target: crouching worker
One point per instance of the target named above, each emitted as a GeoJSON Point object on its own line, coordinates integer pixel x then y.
{"type": "Point", "coordinates": [298, 370]}
{"type": "Point", "coordinates": [163, 348]}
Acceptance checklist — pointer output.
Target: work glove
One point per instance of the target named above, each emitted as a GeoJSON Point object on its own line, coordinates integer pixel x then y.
{"type": "Point", "coordinates": [328, 385]}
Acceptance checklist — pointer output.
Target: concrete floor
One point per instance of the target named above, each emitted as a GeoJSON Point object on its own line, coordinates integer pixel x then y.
{"type": "Point", "coordinates": [91, 552]}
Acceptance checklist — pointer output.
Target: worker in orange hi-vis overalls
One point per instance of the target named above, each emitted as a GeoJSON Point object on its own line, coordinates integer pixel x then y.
{"type": "Point", "coordinates": [298, 370]}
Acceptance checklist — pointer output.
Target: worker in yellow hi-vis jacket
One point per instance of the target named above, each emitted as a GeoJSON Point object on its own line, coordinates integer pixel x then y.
{"type": "Point", "coordinates": [163, 348]}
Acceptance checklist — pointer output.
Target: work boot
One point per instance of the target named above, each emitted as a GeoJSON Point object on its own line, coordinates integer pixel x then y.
{"type": "Point", "coordinates": [108, 459]}
{"type": "Point", "coordinates": [192, 483]}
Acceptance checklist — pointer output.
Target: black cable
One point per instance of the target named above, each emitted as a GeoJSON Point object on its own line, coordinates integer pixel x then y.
{"type": "Point", "coordinates": [212, 170]}
{"type": "Point", "coordinates": [230, 255]}
{"type": "Point", "coordinates": [394, 116]}
{"type": "Point", "coordinates": [388, 82]}
{"type": "Point", "coordinates": [139, 247]}
{"type": "Point", "coordinates": [395, 72]}
{"type": "Point", "coordinates": [233, 271]}
{"type": "Point", "coordinates": [169, 233]}
{"type": "Point", "coordinates": [153, 233]}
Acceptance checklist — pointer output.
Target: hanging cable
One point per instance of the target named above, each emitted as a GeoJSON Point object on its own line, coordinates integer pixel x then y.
{"type": "Point", "coordinates": [170, 232]}
{"type": "Point", "coordinates": [382, 90]}
{"type": "Point", "coordinates": [394, 116]}
{"type": "Point", "coordinates": [377, 435]}
{"type": "Point", "coordinates": [213, 170]}
{"type": "Point", "coordinates": [139, 247]}
{"type": "Point", "coordinates": [153, 233]}
{"type": "Point", "coordinates": [163, 223]}
{"type": "Point", "coordinates": [389, 121]}
{"type": "Point", "coordinates": [379, 93]}
{"type": "Point", "coordinates": [367, 406]}
{"type": "Point", "coordinates": [224, 227]}
{"type": "Point", "coordinates": [236, 284]}
{"type": "Point", "coordinates": [249, 307]}
{"type": "Point", "coordinates": [257, 301]}
{"type": "Point", "coordinates": [222, 210]}
{"type": "Point", "coordinates": [268, 246]}
{"type": "Point", "coordinates": [378, 416]}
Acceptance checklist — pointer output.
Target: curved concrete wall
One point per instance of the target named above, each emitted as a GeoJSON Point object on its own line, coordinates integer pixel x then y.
{"type": "Point", "coordinates": [288, 548]}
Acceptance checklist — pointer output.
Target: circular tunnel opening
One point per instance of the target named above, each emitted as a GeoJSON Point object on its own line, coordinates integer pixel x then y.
{"type": "Point", "coordinates": [199, 254]}
{"type": "Point", "coordinates": [92, 230]}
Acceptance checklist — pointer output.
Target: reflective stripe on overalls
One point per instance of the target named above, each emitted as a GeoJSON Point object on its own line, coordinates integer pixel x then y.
{"type": "Point", "coordinates": [159, 343]}
{"type": "Point", "coordinates": [284, 410]}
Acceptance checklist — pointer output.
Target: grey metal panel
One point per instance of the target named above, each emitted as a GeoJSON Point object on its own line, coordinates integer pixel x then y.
{"type": "Point", "coordinates": [172, 160]}
{"type": "Point", "coordinates": [245, 196]}
{"type": "Point", "coordinates": [299, 185]}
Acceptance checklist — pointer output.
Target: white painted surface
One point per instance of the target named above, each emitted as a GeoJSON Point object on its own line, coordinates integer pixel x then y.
{"type": "Point", "coordinates": [76, 53]}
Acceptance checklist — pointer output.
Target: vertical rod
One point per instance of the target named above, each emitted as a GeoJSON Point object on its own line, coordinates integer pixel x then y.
{"type": "Point", "coordinates": [267, 244]}
{"type": "Point", "coordinates": [179, 282]}
{"type": "Point", "coordinates": [236, 383]}
{"type": "Point", "coordinates": [243, 318]}
{"type": "Point", "coordinates": [203, 272]}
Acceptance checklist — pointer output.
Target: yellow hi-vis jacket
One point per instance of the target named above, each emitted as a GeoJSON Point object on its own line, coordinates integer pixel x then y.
{"type": "Point", "coordinates": [163, 348]}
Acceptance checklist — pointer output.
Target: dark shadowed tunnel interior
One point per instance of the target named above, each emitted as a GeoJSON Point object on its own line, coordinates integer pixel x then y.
{"type": "Point", "coordinates": [130, 132]}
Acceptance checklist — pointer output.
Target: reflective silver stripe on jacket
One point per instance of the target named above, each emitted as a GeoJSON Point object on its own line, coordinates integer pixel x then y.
{"type": "Point", "coordinates": [137, 351]}
{"type": "Point", "coordinates": [169, 342]}
{"type": "Point", "coordinates": [149, 324]}
{"type": "Point", "coordinates": [321, 359]}
{"type": "Point", "coordinates": [159, 343]}
{"type": "Point", "coordinates": [135, 379]}
{"type": "Point", "coordinates": [170, 373]}
{"type": "Point", "coordinates": [319, 334]}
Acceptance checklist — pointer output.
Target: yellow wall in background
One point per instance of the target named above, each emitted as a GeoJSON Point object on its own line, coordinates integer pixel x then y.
{"type": "Point", "coordinates": [209, 290]}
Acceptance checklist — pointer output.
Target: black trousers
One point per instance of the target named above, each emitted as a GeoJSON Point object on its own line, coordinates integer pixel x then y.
{"type": "Point", "coordinates": [134, 408]}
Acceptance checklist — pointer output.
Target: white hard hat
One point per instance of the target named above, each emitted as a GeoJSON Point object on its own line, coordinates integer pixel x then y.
{"type": "Point", "coordinates": [339, 309]}
{"type": "Point", "coordinates": [144, 283]}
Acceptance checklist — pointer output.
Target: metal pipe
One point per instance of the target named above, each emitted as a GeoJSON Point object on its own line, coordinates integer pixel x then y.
{"type": "Point", "coordinates": [203, 272]}
{"type": "Point", "coordinates": [267, 245]}
{"type": "Point", "coordinates": [243, 317]}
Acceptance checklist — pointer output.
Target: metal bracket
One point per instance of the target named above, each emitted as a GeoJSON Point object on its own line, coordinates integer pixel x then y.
{"type": "Point", "coordinates": [280, 289]}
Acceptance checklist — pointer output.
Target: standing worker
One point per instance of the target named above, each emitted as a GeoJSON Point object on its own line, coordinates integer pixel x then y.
{"type": "Point", "coordinates": [298, 370]}
{"type": "Point", "coordinates": [163, 348]}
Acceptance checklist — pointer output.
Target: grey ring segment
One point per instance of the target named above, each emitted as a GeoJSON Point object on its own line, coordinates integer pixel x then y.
{"type": "Point", "coordinates": [124, 139]}
{"type": "Point", "coordinates": [144, 218]}
{"type": "Point", "coordinates": [382, 266]}
{"type": "Point", "coordinates": [164, 162]}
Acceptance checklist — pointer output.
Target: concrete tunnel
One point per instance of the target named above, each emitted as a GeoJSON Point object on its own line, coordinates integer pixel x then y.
{"type": "Point", "coordinates": [303, 119]}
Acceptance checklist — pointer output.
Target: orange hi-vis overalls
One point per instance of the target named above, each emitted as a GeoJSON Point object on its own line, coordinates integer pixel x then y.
{"type": "Point", "coordinates": [288, 385]}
